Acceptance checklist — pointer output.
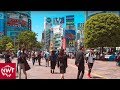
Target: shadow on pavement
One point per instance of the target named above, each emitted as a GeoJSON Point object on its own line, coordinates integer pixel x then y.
{"type": "Point", "coordinates": [96, 77]}
{"type": "Point", "coordinates": [56, 73]}
{"type": "Point", "coordinates": [41, 65]}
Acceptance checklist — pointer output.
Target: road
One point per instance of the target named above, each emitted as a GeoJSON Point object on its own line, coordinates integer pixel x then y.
{"type": "Point", "coordinates": [101, 70]}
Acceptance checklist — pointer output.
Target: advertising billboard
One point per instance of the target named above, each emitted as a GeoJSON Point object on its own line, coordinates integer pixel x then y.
{"type": "Point", "coordinates": [29, 24]}
{"type": "Point", "coordinates": [58, 20]}
{"type": "Point", "coordinates": [1, 23]}
{"type": "Point", "coordinates": [17, 20]}
{"type": "Point", "coordinates": [1, 26]}
{"type": "Point", "coordinates": [70, 34]}
{"type": "Point", "coordinates": [13, 15]}
{"type": "Point", "coordinates": [1, 15]}
{"type": "Point", "coordinates": [48, 22]}
{"type": "Point", "coordinates": [64, 43]}
{"type": "Point", "coordinates": [13, 19]}
{"type": "Point", "coordinates": [70, 20]}
{"type": "Point", "coordinates": [71, 43]}
{"type": "Point", "coordinates": [80, 26]}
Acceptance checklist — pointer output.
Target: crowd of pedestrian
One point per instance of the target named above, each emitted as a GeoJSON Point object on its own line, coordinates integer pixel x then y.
{"type": "Point", "coordinates": [54, 59]}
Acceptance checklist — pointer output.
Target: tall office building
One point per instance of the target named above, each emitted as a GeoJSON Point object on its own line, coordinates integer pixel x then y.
{"type": "Point", "coordinates": [13, 22]}
{"type": "Point", "coordinates": [58, 33]}
{"type": "Point", "coordinates": [80, 34]}
{"type": "Point", "coordinates": [47, 32]}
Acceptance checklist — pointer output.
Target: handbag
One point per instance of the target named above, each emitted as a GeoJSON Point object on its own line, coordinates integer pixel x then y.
{"type": "Point", "coordinates": [27, 66]}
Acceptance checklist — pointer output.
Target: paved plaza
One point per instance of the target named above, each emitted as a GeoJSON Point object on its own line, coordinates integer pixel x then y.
{"type": "Point", "coordinates": [101, 70]}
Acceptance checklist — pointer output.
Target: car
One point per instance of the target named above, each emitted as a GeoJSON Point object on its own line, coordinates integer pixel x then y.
{"type": "Point", "coordinates": [111, 57]}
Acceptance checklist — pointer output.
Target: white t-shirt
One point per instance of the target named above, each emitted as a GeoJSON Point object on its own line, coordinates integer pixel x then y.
{"type": "Point", "coordinates": [90, 58]}
{"type": "Point", "coordinates": [36, 54]}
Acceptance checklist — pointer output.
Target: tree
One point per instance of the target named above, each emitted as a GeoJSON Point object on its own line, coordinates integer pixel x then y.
{"type": "Point", "coordinates": [9, 46]}
{"type": "Point", "coordinates": [39, 45]}
{"type": "Point", "coordinates": [102, 30]}
{"type": "Point", "coordinates": [1, 46]}
{"type": "Point", "coordinates": [27, 39]}
{"type": "Point", "coordinates": [5, 40]}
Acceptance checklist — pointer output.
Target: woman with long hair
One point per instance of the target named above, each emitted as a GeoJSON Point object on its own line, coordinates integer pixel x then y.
{"type": "Point", "coordinates": [23, 64]}
{"type": "Point", "coordinates": [62, 60]}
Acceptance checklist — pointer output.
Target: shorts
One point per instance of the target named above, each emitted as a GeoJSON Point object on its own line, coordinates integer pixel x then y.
{"type": "Point", "coordinates": [90, 65]}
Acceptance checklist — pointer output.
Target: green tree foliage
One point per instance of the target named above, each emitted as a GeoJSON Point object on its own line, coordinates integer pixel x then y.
{"type": "Point", "coordinates": [5, 40]}
{"type": "Point", "coordinates": [1, 46]}
{"type": "Point", "coordinates": [27, 39]}
{"type": "Point", "coordinates": [39, 45]}
{"type": "Point", "coordinates": [9, 46]}
{"type": "Point", "coordinates": [102, 30]}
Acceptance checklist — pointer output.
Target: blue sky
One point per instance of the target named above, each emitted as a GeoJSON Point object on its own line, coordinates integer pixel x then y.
{"type": "Point", "coordinates": [38, 19]}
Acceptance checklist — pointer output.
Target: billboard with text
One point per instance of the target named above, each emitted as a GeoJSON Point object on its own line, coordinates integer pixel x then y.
{"type": "Point", "coordinates": [70, 20]}
{"type": "Point", "coordinates": [17, 20]}
{"type": "Point", "coordinates": [70, 34]}
{"type": "Point", "coordinates": [58, 20]}
{"type": "Point", "coordinates": [1, 23]}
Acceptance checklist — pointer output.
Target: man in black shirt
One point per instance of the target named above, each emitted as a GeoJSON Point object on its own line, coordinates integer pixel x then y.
{"type": "Point", "coordinates": [79, 62]}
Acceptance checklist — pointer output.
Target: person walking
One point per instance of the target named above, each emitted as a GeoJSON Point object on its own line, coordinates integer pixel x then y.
{"type": "Point", "coordinates": [39, 57]}
{"type": "Point", "coordinates": [36, 54]}
{"type": "Point", "coordinates": [33, 57]}
{"type": "Point", "coordinates": [62, 63]}
{"type": "Point", "coordinates": [47, 58]}
{"type": "Point", "coordinates": [18, 57]}
{"type": "Point", "coordinates": [53, 58]}
{"type": "Point", "coordinates": [57, 53]}
{"type": "Point", "coordinates": [8, 56]}
{"type": "Point", "coordinates": [23, 64]}
{"type": "Point", "coordinates": [118, 59]}
{"type": "Point", "coordinates": [90, 58]}
{"type": "Point", "coordinates": [79, 62]}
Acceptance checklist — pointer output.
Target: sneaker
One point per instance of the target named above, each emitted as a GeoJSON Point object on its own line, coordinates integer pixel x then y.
{"type": "Point", "coordinates": [62, 77]}
{"type": "Point", "coordinates": [89, 76]}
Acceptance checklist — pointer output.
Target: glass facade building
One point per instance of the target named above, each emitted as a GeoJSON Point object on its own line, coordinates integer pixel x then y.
{"type": "Point", "coordinates": [14, 22]}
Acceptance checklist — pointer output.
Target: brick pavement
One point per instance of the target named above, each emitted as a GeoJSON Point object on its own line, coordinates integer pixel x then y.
{"type": "Point", "coordinates": [101, 70]}
{"type": "Point", "coordinates": [104, 69]}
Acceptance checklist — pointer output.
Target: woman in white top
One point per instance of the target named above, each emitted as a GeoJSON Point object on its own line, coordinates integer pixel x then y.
{"type": "Point", "coordinates": [90, 60]}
